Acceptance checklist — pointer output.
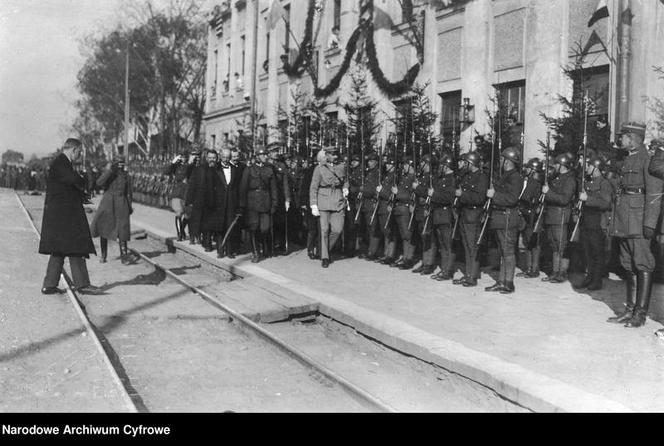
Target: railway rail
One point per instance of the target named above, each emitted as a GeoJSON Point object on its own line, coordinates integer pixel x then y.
{"type": "Point", "coordinates": [131, 397]}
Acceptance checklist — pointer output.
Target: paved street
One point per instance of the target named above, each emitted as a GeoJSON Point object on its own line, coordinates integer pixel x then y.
{"type": "Point", "coordinates": [542, 335]}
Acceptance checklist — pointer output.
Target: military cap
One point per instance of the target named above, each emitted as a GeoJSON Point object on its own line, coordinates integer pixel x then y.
{"type": "Point", "coordinates": [331, 149]}
{"type": "Point", "coordinates": [372, 156]}
{"type": "Point", "coordinates": [634, 127]}
{"type": "Point", "coordinates": [597, 161]}
{"type": "Point", "coordinates": [261, 151]}
{"type": "Point", "coordinates": [388, 159]}
{"type": "Point", "coordinates": [512, 154]}
{"type": "Point", "coordinates": [446, 159]}
{"type": "Point", "coordinates": [355, 158]}
{"type": "Point", "coordinates": [274, 145]}
{"type": "Point", "coordinates": [118, 159]}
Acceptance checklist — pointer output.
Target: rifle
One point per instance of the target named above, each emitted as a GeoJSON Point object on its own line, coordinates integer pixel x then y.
{"type": "Point", "coordinates": [487, 204]}
{"type": "Point", "coordinates": [360, 200]}
{"type": "Point", "coordinates": [455, 203]}
{"type": "Point", "coordinates": [390, 203]}
{"type": "Point", "coordinates": [578, 208]}
{"type": "Point", "coordinates": [380, 171]}
{"type": "Point", "coordinates": [427, 203]}
{"type": "Point", "coordinates": [413, 197]}
{"type": "Point", "coordinates": [537, 229]}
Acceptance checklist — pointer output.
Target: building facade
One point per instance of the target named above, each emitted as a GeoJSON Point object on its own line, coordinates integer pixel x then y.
{"type": "Point", "coordinates": [471, 49]}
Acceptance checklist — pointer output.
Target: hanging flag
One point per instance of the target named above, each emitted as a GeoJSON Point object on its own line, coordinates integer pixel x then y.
{"type": "Point", "coordinates": [601, 12]}
{"type": "Point", "coordinates": [276, 13]}
{"type": "Point", "coordinates": [593, 40]}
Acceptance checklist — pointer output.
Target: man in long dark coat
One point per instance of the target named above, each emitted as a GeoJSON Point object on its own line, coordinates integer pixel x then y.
{"type": "Point", "coordinates": [228, 198]}
{"type": "Point", "coordinates": [202, 196]}
{"type": "Point", "coordinates": [65, 231]}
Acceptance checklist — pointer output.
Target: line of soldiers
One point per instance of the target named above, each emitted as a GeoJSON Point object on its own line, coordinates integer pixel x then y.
{"type": "Point", "coordinates": [396, 212]}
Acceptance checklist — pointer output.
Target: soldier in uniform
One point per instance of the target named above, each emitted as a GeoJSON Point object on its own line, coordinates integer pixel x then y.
{"type": "Point", "coordinates": [472, 194]}
{"type": "Point", "coordinates": [179, 171]}
{"type": "Point", "coordinates": [635, 214]}
{"type": "Point", "coordinates": [258, 202]}
{"type": "Point", "coordinates": [597, 198]}
{"type": "Point", "coordinates": [283, 197]}
{"type": "Point", "coordinates": [528, 205]}
{"type": "Point", "coordinates": [422, 207]}
{"type": "Point", "coordinates": [369, 208]}
{"type": "Point", "coordinates": [403, 196]}
{"type": "Point", "coordinates": [558, 197]}
{"type": "Point", "coordinates": [385, 221]}
{"type": "Point", "coordinates": [328, 196]}
{"type": "Point", "coordinates": [309, 220]}
{"type": "Point", "coordinates": [442, 198]}
{"type": "Point", "coordinates": [351, 227]}
{"type": "Point", "coordinates": [656, 169]}
{"type": "Point", "coordinates": [505, 218]}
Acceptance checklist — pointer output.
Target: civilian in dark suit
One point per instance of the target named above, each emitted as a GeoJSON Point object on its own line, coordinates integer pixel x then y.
{"type": "Point", "coordinates": [65, 230]}
{"type": "Point", "coordinates": [229, 197]}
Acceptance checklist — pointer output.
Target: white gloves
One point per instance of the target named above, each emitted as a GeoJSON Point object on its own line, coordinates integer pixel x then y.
{"type": "Point", "coordinates": [345, 193]}
{"type": "Point", "coordinates": [314, 211]}
{"type": "Point", "coordinates": [287, 205]}
{"type": "Point", "coordinates": [175, 160]}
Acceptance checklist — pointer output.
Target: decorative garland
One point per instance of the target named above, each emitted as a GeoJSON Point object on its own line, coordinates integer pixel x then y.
{"type": "Point", "coordinates": [336, 80]}
{"type": "Point", "coordinates": [391, 89]}
{"type": "Point", "coordinates": [305, 48]}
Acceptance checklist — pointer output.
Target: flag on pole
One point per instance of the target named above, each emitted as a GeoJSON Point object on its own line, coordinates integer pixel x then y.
{"type": "Point", "coordinates": [601, 12]}
{"type": "Point", "coordinates": [275, 13]}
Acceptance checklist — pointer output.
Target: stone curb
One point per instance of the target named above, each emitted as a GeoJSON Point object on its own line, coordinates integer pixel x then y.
{"type": "Point", "coordinates": [522, 386]}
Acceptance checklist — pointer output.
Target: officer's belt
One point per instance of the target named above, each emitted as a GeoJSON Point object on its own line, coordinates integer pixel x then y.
{"type": "Point", "coordinates": [503, 209]}
{"type": "Point", "coordinates": [330, 187]}
{"type": "Point", "coordinates": [441, 206]}
{"type": "Point", "coordinates": [631, 190]}
{"type": "Point", "coordinates": [471, 207]}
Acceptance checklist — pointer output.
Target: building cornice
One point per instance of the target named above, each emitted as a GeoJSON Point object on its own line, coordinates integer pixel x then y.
{"type": "Point", "coordinates": [225, 112]}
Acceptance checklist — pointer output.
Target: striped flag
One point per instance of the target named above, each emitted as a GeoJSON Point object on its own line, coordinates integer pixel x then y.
{"type": "Point", "coordinates": [601, 12]}
{"type": "Point", "coordinates": [276, 13]}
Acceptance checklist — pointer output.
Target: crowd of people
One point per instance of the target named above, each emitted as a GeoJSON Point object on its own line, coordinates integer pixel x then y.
{"type": "Point", "coordinates": [23, 178]}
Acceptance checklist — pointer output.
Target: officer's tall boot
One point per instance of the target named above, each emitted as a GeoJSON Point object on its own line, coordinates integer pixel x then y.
{"type": "Point", "coordinates": [254, 248]}
{"type": "Point", "coordinates": [124, 254]}
{"type": "Point", "coordinates": [177, 229]}
{"type": "Point", "coordinates": [183, 225]}
{"type": "Point", "coordinates": [630, 302]}
{"type": "Point", "coordinates": [103, 242]}
{"type": "Point", "coordinates": [643, 290]}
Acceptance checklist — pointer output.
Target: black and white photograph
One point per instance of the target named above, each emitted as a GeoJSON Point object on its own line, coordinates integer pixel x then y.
{"type": "Point", "coordinates": [329, 206]}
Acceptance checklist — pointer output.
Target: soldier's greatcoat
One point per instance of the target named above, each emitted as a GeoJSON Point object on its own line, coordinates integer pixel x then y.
{"type": "Point", "coordinates": [326, 189]}
{"type": "Point", "coordinates": [111, 220]}
{"type": "Point", "coordinates": [65, 230]}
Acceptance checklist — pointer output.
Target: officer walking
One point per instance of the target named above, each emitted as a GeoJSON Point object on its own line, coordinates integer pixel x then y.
{"type": "Point", "coordinates": [635, 214]}
{"type": "Point", "coordinates": [505, 218]}
{"type": "Point", "coordinates": [258, 202]}
{"type": "Point", "coordinates": [558, 196]}
{"type": "Point", "coordinates": [328, 197]}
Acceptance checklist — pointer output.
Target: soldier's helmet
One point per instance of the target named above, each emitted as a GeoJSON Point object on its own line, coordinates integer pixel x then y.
{"type": "Point", "coordinates": [512, 154]}
{"type": "Point", "coordinates": [261, 151]}
{"type": "Point", "coordinates": [356, 158]}
{"type": "Point", "coordinates": [598, 162]}
{"type": "Point", "coordinates": [535, 164]}
{"type": "Point", "coordinates": [447, 160]}
{"type": "Point", "coordinates": [472, 157]}
{"type": "Point", "coordinates": [372, 156]}
{"type": "Point", "coordinates": [657, 143]}
{"type": "Point", "coordinates": [565, 159]}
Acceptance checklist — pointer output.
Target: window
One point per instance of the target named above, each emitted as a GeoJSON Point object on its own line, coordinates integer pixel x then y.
{"type": "Point", "coordinates": [337, 14]}
{"type": "Point", "coordinates": [225, 138]}
{"type": "Point", "coordinates": [596, 81]}
{"type": "Point", "coordinates": [406, 11]}
{"type": "Point", "coordinates": [228, 68]}
{"type": "Point", "coordinates": [287, 18]}
{"type": "Point", "coordinates": [512, 97]}
{"type": "Point", "coordinates": [243, 42]}
{"type": "Point", "coordinates": [449, 116]}
{"type": "Point", "coordinates": [216, 70]}
{"type": "Point", "coordinates": [214, 141]}
{"type": "Point", "coordinates": [404, 127]}
{"type": "Point", "coordinates": [267, 48]}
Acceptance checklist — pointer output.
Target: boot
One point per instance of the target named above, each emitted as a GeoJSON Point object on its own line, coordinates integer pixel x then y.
{"type": "Point", "coordinates": [104, 249]}
{"type": "Point", "coordinates": [630, 303]}
{"type": "Point", "coordinates": [441, 276]}
{"type": "Point", "coordinates": [585, 282]}
{"type": "Point", "coordinates": [498, 286]}
{"type": "Point", "coordinates": [183, 225]}
{"type": "Point", "coordinates": [255, 257]}
{"type": "Point", "coordinates": [177, 228]}
{"type": "Point", "coordinates": [643, 289]}
{"type": "Point", "coordinates": [508, 288]}
{"type": "Point", "coordinates": [124, 253]}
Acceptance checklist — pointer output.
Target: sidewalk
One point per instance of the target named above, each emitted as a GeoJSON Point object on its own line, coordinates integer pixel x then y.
{"type": "Point", "coordinates": [48, 362]}
{"type": "Point", "coordinates": [546, 346]}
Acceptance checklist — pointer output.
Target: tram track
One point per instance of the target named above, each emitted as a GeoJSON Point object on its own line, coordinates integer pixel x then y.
{"type": "Point", "coordinates": [131, 396]}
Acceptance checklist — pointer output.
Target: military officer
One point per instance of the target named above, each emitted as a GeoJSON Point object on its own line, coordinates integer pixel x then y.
{"type": "Point", "coordinates": [258, 202]}
{"type": "Point", "coordinates": [636, 210]}
{"type": "Point", "coordinates": [283, 196]}
{"type": "Point", "coordinates": [528, 205]}
{"type": "Point", "coordinates": [558, 197]}
{"type": "Point", "coordinates": [328, 196]}
{"type": "Point", "coordinates": [442, 197]}
{"type": "Point", "coordinates": [472, 194]}
{"type": "Point", "coordinates": [597, 198]}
